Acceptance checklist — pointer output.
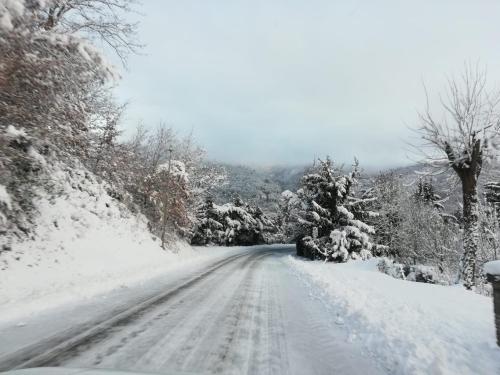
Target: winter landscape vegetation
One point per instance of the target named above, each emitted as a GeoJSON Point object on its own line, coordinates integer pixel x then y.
{"type": "Point", "coordinates": [125, 244]}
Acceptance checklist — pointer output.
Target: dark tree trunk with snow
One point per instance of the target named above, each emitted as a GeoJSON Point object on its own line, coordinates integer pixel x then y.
{"type": "Point", "coordinates": [471, 229]}
{"type": "Point", "coordinates": [469, 171]}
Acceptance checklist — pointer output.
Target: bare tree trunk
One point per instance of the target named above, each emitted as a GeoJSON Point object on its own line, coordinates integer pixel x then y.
{"type": "Point", "coordinates": [471, 227]}
{"type": "Point", "coordinates": [164, 224]}
{"type": "Point", "coordinates": [166, 200]}
{"type": "Point", "coordinates": [469, 173]}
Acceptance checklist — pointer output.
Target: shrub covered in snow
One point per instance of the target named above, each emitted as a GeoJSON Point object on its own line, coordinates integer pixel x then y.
{"type": "Point", "coordinates": [417, 273]}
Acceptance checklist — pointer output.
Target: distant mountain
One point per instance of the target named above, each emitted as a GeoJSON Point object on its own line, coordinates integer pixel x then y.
{"type": "Point", "coordinates": [261, 185]}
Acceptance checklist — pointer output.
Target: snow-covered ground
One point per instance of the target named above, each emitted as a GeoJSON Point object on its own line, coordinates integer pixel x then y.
{"type": "Point", "coordinates": [251, 315]}
{"type": "Point", "coordinates": [84, 243]}
{"type": "Point", "coordinates": [88, 272]}
{"type": "Point", "coordinates": [411, 328]}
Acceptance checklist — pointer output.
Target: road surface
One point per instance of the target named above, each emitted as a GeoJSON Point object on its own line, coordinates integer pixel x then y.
{"type": "Point", "coordinates": [246, 314]}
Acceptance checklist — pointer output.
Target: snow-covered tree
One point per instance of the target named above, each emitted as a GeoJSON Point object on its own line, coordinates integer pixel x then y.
{"type": "Point", "coordinates": [492, 192]}
{"type": "Point", "coordinates": [290, 210]}
{"type": "Point", "coordinates": [144, 155]}
{"type": "Point", "coordinates": [425, 236]}
{"type": "Point", "coordinates": [489, 223]}
{"type": "Point", "coordinates": [425, 193]}
{"type": "Point", "coordinates": [169, 193]}
{"type": "Point", "coordinates": [55, 99]}
{"type": "Point", "coordinates": [462, 139]}
{"type": "Point", "coordinates": [205, 177]}
{"type": "Point", "coordinates": [100, 21]}
{"type": "Point", "coordinates": [236, 223]}
{"type": "Point", "coordinates": [413, 226]}
{"type": "Point", "coordinates": [332, 227]}
{"type": "Point", "coordinates": [388, 188]}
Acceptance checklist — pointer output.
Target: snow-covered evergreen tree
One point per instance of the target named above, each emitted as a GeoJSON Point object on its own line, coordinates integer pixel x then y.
{"type": "Point", "coordinates": [332, 226]}
{"type": "Point", "coordinates": [236, 223]}
{"type": "Point", "coordinates": [426, 193]}
{"type": "Point", "coordinates": [388, 188]}
{"type": "Point", "coordinates": [290, 209]}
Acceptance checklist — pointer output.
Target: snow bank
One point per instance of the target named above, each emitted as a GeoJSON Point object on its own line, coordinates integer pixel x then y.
{"type": "Point", "coordinates": [85, 243]}
{"type": "Point", "coordinates": [417, 273]}
{"type": "Point", "coordinates": [412, 328]}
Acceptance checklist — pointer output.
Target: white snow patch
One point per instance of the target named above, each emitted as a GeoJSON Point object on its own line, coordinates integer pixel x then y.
{"type": "Point", "coordinates": [5, 197]}
{"type": "Point", "coordinates": [36, 156]}
{"type": "Point", "coordinates": [412, 328]}
{"type": "Point", "coordinates": [13, 132]}
{"type": "Point", "coordinates": [10, 10]}
{"type": "Point", "coordinates": [492, 268]}
{"type": "Point", "coordinates": [344, 211]}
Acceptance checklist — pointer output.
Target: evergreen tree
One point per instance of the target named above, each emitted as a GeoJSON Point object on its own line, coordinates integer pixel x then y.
{"type": "Point", "coordinates": [236, 223]}
{"type": "Point", "coordinates": [332, 227]}
{"type": "Point", "coordinates": [425, 193]}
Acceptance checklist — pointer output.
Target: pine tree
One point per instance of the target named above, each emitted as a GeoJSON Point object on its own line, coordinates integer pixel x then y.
{"type": "Point", "coordinates": [236, 223]}
{"type": "Point", "coordinates": [332, 226]}
{"type": "Point", "coordinates": [425, 193]}
{"type": "Point", "coordinates": [208, 230]}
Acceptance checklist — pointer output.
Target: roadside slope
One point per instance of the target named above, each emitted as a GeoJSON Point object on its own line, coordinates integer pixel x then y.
{"type": "Point", "coordinates": [83, 243]}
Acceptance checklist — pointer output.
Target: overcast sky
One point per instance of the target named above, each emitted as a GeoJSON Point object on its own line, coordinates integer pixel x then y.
{"type": "Point", "coordinates": [281, 81]}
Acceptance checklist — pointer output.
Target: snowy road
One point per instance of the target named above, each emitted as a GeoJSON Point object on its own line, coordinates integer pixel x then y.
{"type": "Point", "coordinates": [248, 313]}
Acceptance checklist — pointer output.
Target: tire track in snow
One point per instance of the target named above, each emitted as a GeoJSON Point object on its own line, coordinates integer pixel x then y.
{"type": "Point", "coordinates": [251, 315]}
{"type": "Point", "coordinates": [64, 345]}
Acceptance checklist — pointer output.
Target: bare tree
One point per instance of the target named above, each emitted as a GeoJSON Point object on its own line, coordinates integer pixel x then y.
{"type": "Point", "coordinates": [462, 140]}
{"type": "Point", "coordinates": [103, 20]}
{"type": "Point", "coordinates": [105, 125]}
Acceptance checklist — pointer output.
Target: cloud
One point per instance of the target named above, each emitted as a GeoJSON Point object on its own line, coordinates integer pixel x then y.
{"type": "Point", "coordinates": [279, 82]}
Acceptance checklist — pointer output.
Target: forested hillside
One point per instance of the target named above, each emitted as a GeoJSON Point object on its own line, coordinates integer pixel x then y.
{"type": "Point", "coordinates": [259, 185]}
